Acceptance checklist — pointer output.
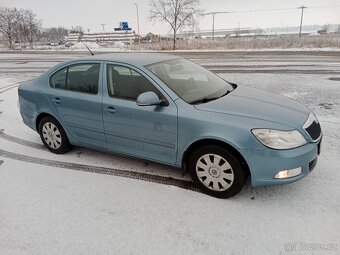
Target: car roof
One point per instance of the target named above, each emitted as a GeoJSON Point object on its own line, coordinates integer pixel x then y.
{"type": "Point", "coordinates": [133, 58]}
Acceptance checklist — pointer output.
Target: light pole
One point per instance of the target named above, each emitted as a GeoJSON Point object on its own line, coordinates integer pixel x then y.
{"type": "Point", "coordinates": [138, 26]}
{"type": "Point", "coordinates": [302, 8]}
{"type": "Point", "coordinates": [137, 17]}
{"type": "Point", "coordinates": [103, 25]}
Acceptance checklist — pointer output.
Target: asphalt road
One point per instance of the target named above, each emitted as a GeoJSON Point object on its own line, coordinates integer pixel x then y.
{"type": "Point", "coordinates": [301, 62]}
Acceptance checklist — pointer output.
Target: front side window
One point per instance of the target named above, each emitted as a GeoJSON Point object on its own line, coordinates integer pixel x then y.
{"type": "Point", "coordinates": [125, 83]}
{"type": "Point", "coordinates": [191, 82]}
{"type": "Point", "coordinates": [79, 77]}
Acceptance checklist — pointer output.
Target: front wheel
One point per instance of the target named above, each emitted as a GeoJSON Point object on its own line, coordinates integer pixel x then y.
{"type": "Point", "coordinates": [53, 135]}
{"type": "Point", "coordinates": [216, 171]}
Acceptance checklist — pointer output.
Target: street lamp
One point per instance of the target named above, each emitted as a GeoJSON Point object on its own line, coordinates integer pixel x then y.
{"type": "Point", "coordinates": [137, 17]}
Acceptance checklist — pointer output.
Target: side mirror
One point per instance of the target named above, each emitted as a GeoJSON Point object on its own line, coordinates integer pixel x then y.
{"type": "Point", "coordinates": [148, 98]}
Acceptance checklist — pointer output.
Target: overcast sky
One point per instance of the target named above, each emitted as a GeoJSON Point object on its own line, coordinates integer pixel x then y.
{"type": "Point", "coordinates": [91, 13]}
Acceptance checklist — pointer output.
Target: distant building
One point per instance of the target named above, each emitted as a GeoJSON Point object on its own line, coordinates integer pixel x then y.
{"type": "Point", "coordinates": [122, 34]}
{"type": "Point", "coordinates": [150, 37]}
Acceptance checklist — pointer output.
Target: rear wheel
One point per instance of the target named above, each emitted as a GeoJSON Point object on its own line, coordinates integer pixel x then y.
{"type": "Point", "coordinates": [216, 171]}
{"type": "Point", "coordinates": [53, 135]}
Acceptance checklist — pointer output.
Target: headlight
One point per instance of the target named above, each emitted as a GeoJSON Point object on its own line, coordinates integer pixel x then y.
{"type": "Point", "coordinates": [278, 139]}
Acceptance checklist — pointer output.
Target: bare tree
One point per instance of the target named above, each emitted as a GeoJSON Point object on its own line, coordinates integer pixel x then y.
{"type": "Point", "coordinates": [77, 30]}
{"type": "Point", "coordinates": [29, 26]}
{"type": "Point", "coordinates": [19, 25]}
{"type": "Point", "coordinates": [54, 34]}
{"type": "Point", "coordinates": [9, 24]}
{"type": "Point", "coordinates": [177, 13]}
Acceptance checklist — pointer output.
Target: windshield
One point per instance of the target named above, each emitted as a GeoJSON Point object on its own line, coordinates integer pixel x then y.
{"type": "Point", "coordinates": [190, 81]}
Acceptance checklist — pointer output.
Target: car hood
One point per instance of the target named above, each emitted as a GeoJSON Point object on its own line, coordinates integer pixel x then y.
{"type": "Point", "coordinates": [253, 103]}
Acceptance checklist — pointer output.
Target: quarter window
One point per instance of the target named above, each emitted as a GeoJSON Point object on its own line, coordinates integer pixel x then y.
{"type": "Point", "coordinates": [58, 80]}
{"type": "Point", "coordinates": [80, 77]}
{"type": "Point", "coordinates": [123, 82]}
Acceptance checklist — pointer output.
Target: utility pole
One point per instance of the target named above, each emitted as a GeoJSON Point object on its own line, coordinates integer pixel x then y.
{"type": "Point", "coordinates": [213, 25]}
{"type": "Point", "coordinates": [302, 8]}
{"type": "Point", "coordinates": [213, 28]}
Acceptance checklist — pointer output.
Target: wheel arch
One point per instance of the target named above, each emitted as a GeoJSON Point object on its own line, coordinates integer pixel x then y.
{"type": "Point", "coordinates": [202, 142]}
{"type": "Point", "coordinates": [41, 116]}
{"type": "Point", "coordinates": [64, 144]}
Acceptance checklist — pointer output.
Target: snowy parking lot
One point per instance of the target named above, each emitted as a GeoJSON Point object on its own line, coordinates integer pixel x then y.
{"type": "Point", "coordinates": [88, 202]}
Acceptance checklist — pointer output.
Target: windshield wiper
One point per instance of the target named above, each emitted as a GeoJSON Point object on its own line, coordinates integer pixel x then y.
{"type": "Point", "coordinates": [207, 99]}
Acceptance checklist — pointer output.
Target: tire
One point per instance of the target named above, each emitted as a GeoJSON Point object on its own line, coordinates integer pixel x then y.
{"type": "Point", "coordinates": [53, 135]}
{"type": "Point", "coordinates": [216, 171]}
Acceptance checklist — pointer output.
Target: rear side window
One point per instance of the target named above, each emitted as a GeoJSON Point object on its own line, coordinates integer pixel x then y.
{"type": "Point", "coordinates": [80, 77]}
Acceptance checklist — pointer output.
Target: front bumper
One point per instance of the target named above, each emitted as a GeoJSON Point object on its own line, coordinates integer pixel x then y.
{"type": "Point", "coordinates": [265, 164]}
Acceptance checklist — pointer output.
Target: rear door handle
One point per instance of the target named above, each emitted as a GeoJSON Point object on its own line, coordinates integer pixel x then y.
{"type": "Point", "coordinates": [110, 109]}
{"type": "Point", "coordinates": [56, 100]}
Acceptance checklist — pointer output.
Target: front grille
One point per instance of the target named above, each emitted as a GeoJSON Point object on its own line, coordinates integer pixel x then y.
{"type": "Point", "coordinates": [314, 130]}
{"type": "Point", "coordinates": [312, 164]}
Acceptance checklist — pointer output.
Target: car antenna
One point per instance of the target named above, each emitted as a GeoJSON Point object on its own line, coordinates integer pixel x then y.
{"type": "Point", "coordinates": [87, 47]}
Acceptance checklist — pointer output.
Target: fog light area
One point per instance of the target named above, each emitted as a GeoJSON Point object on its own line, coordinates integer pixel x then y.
{"type": "Point", "coordinates": [288, 173]}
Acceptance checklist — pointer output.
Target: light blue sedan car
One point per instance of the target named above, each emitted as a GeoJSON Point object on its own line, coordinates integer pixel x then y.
{"type": "Point", "coordinates": [170, 110]}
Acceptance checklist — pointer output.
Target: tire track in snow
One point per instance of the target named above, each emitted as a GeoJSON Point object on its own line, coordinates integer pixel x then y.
{"type": "Point", "coordinates": [88, 168]}
{"type": "Point", "coordinates": [21, 141]}
{"type": "Point", "coordinates": [273, 71]}
{"type": "Point", "coordinates": [188, 185]}
{"type": "Point", "coordinates": [9, 88]}
{"type": "Point", "coordinates": [25, 71]}
{"type": "Point", "coordinates": [9, 85]}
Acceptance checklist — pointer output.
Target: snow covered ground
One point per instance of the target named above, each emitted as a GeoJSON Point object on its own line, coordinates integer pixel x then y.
{"type": "Point", "coordinates": [45, 209]}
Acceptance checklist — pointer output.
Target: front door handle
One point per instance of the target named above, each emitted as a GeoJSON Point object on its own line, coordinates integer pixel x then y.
{"type": "Point", "coordinates": [56, 100]}
{"type": "Point", "coordinates": [110, 109]}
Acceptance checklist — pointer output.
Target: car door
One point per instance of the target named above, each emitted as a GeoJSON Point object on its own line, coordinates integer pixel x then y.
{"type": "Point", "coordinates": [148, 132]}
{"type": "Point", "coordinates": [75, 92]}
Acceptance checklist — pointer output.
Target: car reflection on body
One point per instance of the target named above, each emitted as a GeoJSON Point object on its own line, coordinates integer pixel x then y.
{"type": "Point", "coordinates": [170, 110]}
